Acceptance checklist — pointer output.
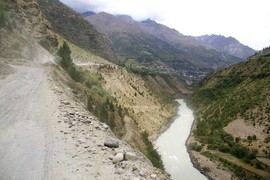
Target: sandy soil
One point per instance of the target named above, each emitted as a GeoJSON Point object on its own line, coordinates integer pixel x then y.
{"type": "Point", "coordinates": [44, 134]}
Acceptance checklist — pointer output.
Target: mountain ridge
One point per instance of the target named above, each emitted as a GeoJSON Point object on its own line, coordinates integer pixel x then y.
{"type": "Point", "coordinates": [150, 27]}
{"type": "Point", "coordinates": [227, 44]}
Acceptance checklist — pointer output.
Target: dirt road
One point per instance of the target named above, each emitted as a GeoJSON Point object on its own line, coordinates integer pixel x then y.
{"type": "Point", "coordinates": [23, 128]}
{"type": "Point", "coordinates": [45, 134]}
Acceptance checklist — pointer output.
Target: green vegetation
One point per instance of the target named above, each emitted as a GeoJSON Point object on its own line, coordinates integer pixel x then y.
{"type": "Point", "coordinates": [240, 91]}
{"type": "Point", "coordinates": [99, 101]}
{"type": "Point", "coordinates": [152, 153]}
{"type": "Point", "coordinates": [46, 43]}
{"type": "Point", "coordinates": [64, 52]}
{"type": "Point", "coordinates": [195, 147]}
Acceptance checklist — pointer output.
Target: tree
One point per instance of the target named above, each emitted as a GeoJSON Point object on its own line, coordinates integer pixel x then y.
{"type": "Point", "coordinates": [64, 52]}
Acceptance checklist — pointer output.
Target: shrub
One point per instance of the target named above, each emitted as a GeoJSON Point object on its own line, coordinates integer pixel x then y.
{"type": "Point", "coordinates": [75, 74]}
{"type": "Point", "coordinates": [195, 147]}
{"type": "Point", "coordinates": [46, 44]}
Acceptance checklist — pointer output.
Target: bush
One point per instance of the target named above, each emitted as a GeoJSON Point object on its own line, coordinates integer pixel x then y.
{"type": "Point", "coordinates": [259, 165]}
{"type": "Point", "coordinates": [46, 44]}
{"type": "Point", "coordinates": [195, 147]}
{"type": "Point", "coordinates": [75, 74]}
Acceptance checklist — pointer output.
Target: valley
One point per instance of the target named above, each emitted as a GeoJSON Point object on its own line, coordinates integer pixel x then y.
{"type": "Point", "coordinates": [84, 96]}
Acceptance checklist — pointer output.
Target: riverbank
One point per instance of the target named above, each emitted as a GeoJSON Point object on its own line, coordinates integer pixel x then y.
{"type": "Point", "coordinates": [167, 126]}
{"type": "Point", "coordinates": [208, 168]}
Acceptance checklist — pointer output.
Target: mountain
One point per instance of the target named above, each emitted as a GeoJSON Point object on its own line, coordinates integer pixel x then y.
{"type": "Point", "coordinates": [169, 35]}
{"type": "Point", "coordinates": [228, 45]}
{"type": "Point", "coordinates": [88, 13]}
{"type": "Point", "coordinates": [158, 47]}
{"type": "Point", "coordinates": [76, 29]}
{"type": "Point", "coordinates": [204, 52]}
{"type": "Point", "coordinates": [232, 109]}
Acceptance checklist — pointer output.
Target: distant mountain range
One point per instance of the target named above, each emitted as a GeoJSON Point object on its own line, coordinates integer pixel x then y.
{"type": "Point", "coordinates": [217, 42]}
{"type": "Point", "coordinates": [125, 32]}
{"type": "Point", "coordinates": [158, 47]}
{"type": "Point", "coordinates": [228, 45]}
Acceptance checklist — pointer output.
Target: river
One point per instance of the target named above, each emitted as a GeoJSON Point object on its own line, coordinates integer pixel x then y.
{"type": "Point", "coordinates": [171, 145]}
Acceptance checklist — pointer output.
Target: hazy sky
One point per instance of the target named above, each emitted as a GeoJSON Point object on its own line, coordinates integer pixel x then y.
{"type": "Point", "coordinates": [246, 20]}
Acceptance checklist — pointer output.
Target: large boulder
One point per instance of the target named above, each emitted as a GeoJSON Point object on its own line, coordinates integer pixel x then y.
{"type": "Point", "coordinates": [129, 156]}
{"type": "Point", "coordinates": [118, 158]}
{"type": "Point", "coordinates": [112, 143]}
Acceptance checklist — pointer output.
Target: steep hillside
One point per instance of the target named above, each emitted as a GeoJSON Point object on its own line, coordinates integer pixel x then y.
{"type": "Point", "coordinates": [150, 41]}
{"type": "Point", "coordinates": [22, 25]}
{"type": "Point", "coordinates": [145, 105]}
{"type": "Point", "coordinates": [233, 115]}
{"type": "Point", "coordinates": [74, 28]}
{"type": "Point", "coordinates": [92, 84]}
{"type": "Point", "coordinates": [228, 45]}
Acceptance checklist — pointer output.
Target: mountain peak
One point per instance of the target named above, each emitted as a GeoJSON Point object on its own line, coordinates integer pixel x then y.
{"type": "Point", "coordinates": [126, 18]}
{"type": "Point", "coordinates": [149, 21]}
{"type": "Point", "coordinates": [88, 13]}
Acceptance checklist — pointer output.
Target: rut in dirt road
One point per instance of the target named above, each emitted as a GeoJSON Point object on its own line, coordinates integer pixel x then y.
{"type": "Point", "coordinates": [22, 125]}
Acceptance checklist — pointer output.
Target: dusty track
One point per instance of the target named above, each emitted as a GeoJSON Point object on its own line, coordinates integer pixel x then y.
{"type": "Point", "coordinates": [23, 128]}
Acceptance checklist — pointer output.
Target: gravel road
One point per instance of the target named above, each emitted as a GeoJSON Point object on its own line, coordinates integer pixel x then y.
{"type": "Point", "coordinates": [23, 129]}
{"type": "Point", "coordinates": [45, 134]}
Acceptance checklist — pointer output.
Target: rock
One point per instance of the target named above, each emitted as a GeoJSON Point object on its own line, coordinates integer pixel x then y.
{"type": "Point", "coordinates": [119, 157]}
{"type": "Point", "coordinates": [119, 171]}
{"type": "Point", "coordinates": [124, 164]}
{"type": "Point", "coordinates": [111, 157]}
{"type": "Point", "coordinates": [105, 126]}
{"type": "Point", "coordinates": [141, 173]}
{"type": "Point", "coordinates": [66, 102]}
{"type": "Point", "coordinates": [104, 148]}
{"type": "Point", "coordinates": [134, 168]}
{"type": "Point", "coordinates": [130, 156]}
{"type": "Point", "coordinates": [86, 121]}
{"type": "Point", "coordinates": [120, 151]}
{"type": "Point", "coordinates": [82, 140]}
{"type": "Point", "coordinates": [153, 176]}
{"type": "Point", "coordinates": [112, 143]}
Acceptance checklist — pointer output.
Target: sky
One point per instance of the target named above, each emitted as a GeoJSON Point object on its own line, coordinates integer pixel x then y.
{"type": "Point", "coordinates": [246, 20]}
